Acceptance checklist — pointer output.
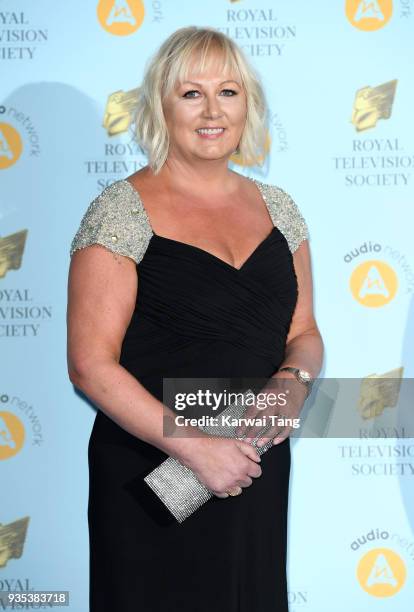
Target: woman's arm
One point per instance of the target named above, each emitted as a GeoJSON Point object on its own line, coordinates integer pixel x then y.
{"type": "Point", "coordinates": [102, 294]}
{"type": "Point", "coordinates": [304, 345]}
{"type": "Point", "coordinates": [102, 290]}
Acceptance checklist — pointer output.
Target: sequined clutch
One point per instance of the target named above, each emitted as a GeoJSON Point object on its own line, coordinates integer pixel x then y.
{"type": "Point", "coordinates": [177, 486]}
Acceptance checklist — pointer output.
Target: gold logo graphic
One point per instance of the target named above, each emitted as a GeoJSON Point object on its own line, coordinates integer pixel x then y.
{"type": "Point", "coordinates": [12, 537]}
{"type": "Point", "coordinates": [381, 572]}
{"type": "Point", "coordinates": [372, 104]}
{"type": "Point", "coordinates": [368, 15]}
{"type": "Point", "coordinates": [11, 145]}
{"type": "Point", "coordinates": [11, 435]}
{"type": "Point", "coordinates": [121, 17]}
{"type": "Point", "coordinates": [236, 158]}
{"type": "Point", "coordinates": [373, 283]}
{"type": "Point", "coordinates": [11, 252]}
{"type": "Point", "coordinates": [119, 111]}
{"type": "Point", "coordinates": [379, 392]}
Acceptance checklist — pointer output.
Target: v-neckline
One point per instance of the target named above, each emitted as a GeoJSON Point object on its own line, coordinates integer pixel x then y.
{"type": "Point", "coordinates": [199, 249]}
{"type": "Point", "coordinates": [218, 259]}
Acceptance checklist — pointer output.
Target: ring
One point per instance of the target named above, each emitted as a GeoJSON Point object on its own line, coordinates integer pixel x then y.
{"type": "Point", "coordinates": [234, 492]}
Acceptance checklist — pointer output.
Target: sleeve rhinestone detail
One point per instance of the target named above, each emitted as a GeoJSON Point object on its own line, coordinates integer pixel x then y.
{"type": "Point", "coordinates": [285, 214]}
{"type": "Point", "coordinates": [117, 220]}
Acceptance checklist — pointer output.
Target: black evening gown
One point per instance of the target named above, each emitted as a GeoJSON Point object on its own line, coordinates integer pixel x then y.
{"type": "Point", "coordinates": [195, 316]}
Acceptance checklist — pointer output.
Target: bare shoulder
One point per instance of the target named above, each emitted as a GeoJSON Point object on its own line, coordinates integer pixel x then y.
{"type": "Point", "coordinates": [145, 182]}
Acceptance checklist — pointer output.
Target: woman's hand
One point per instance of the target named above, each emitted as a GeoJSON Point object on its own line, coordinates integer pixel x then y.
{"type": "Point", "coordinates": [281, 401]}
{"type": "Point", "coordinates": [224, 463]}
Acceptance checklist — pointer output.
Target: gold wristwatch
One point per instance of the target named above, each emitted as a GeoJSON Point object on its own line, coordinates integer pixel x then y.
{"type": "Point", "coordinates": [302, 376]}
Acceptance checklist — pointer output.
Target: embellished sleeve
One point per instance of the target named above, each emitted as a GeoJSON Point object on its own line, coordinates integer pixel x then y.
{"type": "Point", "coordinates": [117, 220]}
{"type": "Point", "coordinates": [286, 215]}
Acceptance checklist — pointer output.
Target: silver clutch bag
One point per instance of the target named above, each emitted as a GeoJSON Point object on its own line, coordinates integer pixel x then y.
{"type": "Point", "coordinates": [177, 486]}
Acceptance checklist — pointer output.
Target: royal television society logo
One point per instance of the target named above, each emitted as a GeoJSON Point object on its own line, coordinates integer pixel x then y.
{"type": "Point", "coordinates": [12, 539]}
{"type": "Point", "coordinates": [20, 39]}
{"type": "Point", "coordinates": [372, 104]}
{"type": "Point", "coordinates": [20, 315]}
{"type": "Point", "coordinates": [371, 161]}
{"type": "Point", "coordinates": [258, 31]}
{"type": "Point", "coordinates": [381, 568]}
{"type": "Point", "coordinates": [121, 17]}
{"type": "Point", "coordinates": [368, 15]}
{"type": "Point", "coordinates": [382, 429]}
{"type": "Point", "coordinates": [122, 154]}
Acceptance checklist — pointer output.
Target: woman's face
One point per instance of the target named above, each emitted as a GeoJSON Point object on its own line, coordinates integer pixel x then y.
{"type": "Point", "coordinates": [208, 100]}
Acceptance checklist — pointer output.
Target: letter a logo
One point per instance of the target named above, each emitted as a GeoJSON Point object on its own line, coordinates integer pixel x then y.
{"type": "Point", "coordinates": [368, 15]}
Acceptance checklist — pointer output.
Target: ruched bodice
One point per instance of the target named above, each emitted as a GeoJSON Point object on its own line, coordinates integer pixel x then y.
{"type": "Point", "coordinates": [195, 316]}
{"type": "Point", "coordinates": [208, 302]}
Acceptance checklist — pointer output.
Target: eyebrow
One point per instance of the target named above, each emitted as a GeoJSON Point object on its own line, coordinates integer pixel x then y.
{"type": "Point", "coordinates": [222, 83]}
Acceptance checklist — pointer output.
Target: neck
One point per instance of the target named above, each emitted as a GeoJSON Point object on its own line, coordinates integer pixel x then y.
{"type": "Point", "coordinates": [206, 176]}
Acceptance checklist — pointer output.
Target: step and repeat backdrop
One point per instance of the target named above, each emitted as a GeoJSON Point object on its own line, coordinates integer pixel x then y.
{"type": "Point", "coordinates": [339, 82]}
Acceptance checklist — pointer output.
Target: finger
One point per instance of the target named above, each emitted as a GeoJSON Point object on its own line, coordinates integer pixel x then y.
{"type": "Point", "coordinates": [245, 482]}
{"type": "Point", "coordinates": [262, 442]}
{"type": "Point", "coordinates": [250, 413]}
{"type": "Point", "coordinates": [279, 439]}
{"type": "Point", "coordinates": [255, 471]}
{"type": "Point", "coordinates": [248, 450]}
{"type": "Point", "coordinates": [259, 432]}
{"type": "Point", "coordinates": [274, 435]}
{"type": "Point", "coordinates": [282, 435]}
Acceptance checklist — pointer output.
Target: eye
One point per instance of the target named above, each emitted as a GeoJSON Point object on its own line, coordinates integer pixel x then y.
{"type": "Point", "coordinates": [190, 91]}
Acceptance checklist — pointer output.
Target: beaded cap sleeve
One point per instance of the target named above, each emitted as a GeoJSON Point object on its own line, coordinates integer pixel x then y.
{"type": "Point", "coordinates": [285, 214]}
{"type": "Point", "coordinates": [117, 220]}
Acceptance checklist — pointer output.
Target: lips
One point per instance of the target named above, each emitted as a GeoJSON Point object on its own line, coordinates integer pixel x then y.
{"type": "Point", "coordinates": [210, 131]}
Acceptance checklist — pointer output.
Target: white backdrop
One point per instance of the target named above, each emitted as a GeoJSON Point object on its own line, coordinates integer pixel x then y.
{"type": "Point", "coordinates": [338, 76]}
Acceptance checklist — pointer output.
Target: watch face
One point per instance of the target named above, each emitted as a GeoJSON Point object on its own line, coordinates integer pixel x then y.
{"type": "Point", "coordinates": [304, 375]}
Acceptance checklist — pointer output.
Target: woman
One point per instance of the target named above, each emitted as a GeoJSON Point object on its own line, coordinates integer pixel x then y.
{"type": "Point", "coordinates": [188, 269]}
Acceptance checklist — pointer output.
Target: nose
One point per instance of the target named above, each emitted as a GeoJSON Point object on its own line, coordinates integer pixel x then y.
{"type": "Point", "coordinates": [211, 107]}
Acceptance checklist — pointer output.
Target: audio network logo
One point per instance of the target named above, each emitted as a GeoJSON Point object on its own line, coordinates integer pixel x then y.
{"type": "Point", "coordinates": [374, 282]}
{"type": "Point", "coordinates": [14, 428]}
{"type": "Point", "coordinates": [12, 434]}
{"type": "Point", "coordinates": [381, 570]}
{"type": "Point", "coordinates": [11, 145]}
{"type": "Point", "coordinates": [11, 141]}
{"type": "Point", "coordinates": [121, 17]}
{"type": "Point", "coordinates": [368, 15]}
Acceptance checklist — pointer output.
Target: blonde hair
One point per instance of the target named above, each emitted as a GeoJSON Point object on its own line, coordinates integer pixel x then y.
{"type": "Point", "coordinates": [169, 66]}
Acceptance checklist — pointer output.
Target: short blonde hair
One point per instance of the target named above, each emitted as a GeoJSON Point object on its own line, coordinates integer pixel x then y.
{"type": "Point", "coordinates": [169, 66]}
